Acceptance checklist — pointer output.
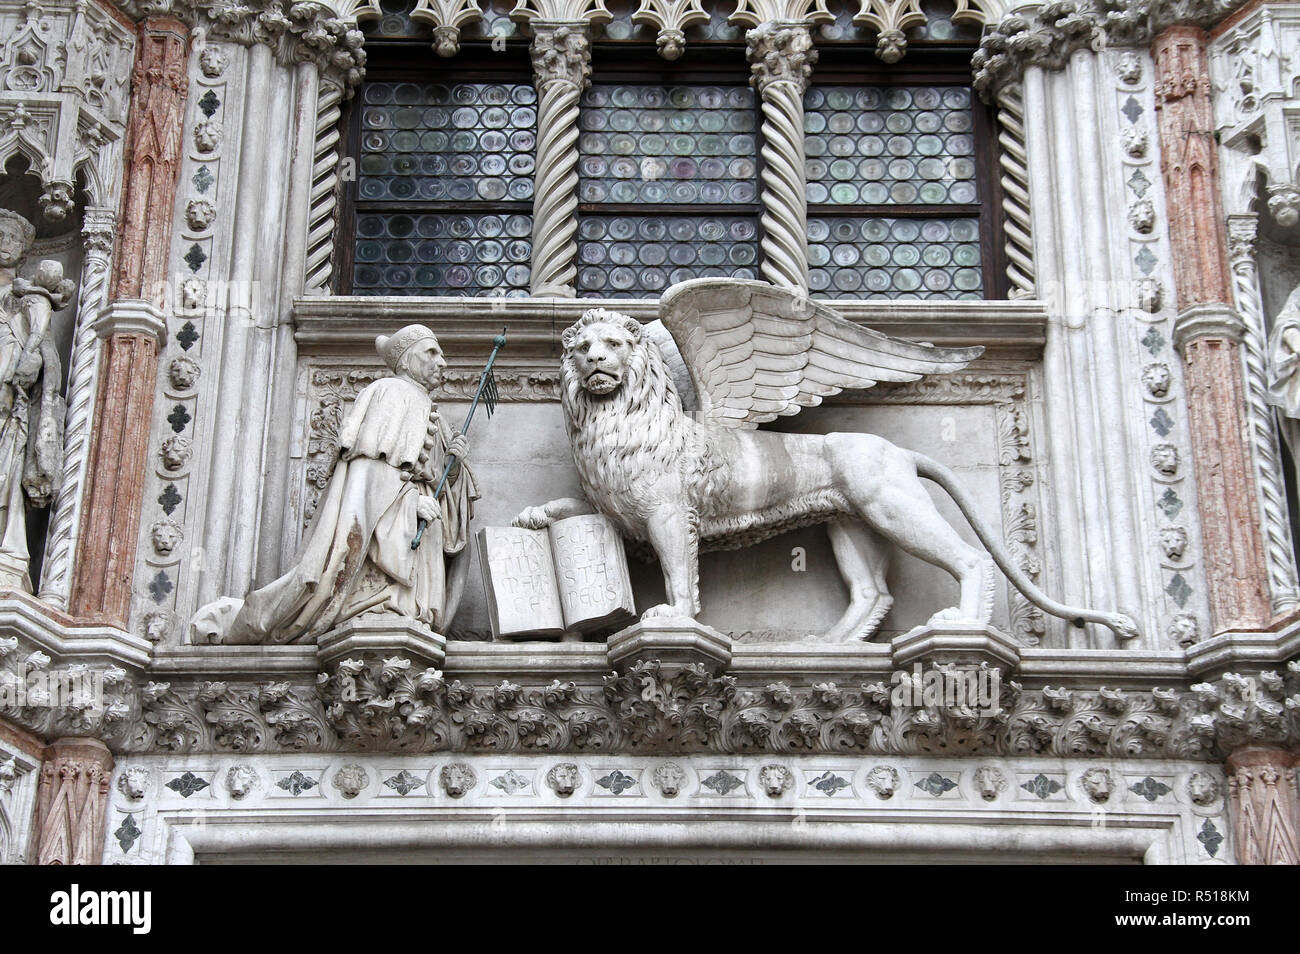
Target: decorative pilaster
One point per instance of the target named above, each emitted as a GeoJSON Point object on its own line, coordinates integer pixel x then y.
{"type": "Point", "coordinates": [1263, 436]}
{"type": "Point", "coordinates": [1265, 811]}
{"type": "Point", "coordinates": [561, 53]}
{"type": "Point", "coordinates": [71, 803]}
{"type": "Point", "coordinates": [1207, 332]}
{"type": "Point", "coordinates": [781, 57]}
{"type": "Point", "coordinates": [124, 404]}
{"type": "Point", "coordinates": [98, 228]}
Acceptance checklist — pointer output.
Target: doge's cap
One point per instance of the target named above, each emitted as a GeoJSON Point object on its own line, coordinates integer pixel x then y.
{"type": "Point", "coordinates": [392, 347]}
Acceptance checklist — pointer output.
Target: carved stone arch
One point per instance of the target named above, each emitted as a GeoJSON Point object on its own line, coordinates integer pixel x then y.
{"type": "Point", "coordinates": [446, 17]}
{"type": "Point", "coordinates": [891, 19]}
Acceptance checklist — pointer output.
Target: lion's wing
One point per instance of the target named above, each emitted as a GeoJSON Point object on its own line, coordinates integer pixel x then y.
{"type": "Point", "coordinates": [756, 352]}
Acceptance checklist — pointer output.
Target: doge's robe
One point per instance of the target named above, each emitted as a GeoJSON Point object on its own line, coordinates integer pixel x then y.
{"type": "Point", "coordinates": [357, 557]}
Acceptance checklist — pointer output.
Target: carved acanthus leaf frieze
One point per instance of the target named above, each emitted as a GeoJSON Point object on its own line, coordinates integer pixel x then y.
{"type": "Point", "coordinates": [396, 704]}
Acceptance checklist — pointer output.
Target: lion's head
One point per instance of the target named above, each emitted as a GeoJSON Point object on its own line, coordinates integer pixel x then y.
{"type": "Point", "coordinates": [599, 348]}
{"type": "Point", "coordinates": [621, 409]}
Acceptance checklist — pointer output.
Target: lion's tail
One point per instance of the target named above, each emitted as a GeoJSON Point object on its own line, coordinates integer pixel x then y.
{"type": "Point", "coordinates": [1122, 626]}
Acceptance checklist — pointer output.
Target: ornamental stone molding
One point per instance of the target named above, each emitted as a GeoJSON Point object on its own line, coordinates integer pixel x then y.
{"type": "Point", "coordinates": [393, 705]}
{"type": "Point", "coordinates": [1048, 35]}
{"type": "Point", "coordinates": [891, 18]}
{"type": "Point", "coordinates": [752, 808]}
{"type": "Point", "coordinates": [670, 18]}
{"type": "Point", "coordinates": [446, 17]}
{"type": "Point", "coordinates": [72, 802]}
{"type": "Point", "coordinates": [64, 70]}
{"type": "Point", "coordinates": [323, 33]}
{"type": "Point", "coordinates": [1254, 102]}
{"type": "Point", "coordinates": [1264, 806]}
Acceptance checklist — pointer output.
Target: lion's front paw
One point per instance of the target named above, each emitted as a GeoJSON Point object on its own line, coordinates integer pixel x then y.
{"type": "Point", "coordinates": [532, 518]}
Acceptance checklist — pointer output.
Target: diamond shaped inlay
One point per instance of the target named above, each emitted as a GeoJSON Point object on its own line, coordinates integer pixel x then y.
{"type": "Point", "coordinates": [209, 103]}
{"type": "Point", "coordinates": [1179, 591]}
{"type": "Point", "coordinates": [1170, 503]}
{"type": "Point", "coordinates": [1209, 837]}
{"type": "Point", "coordinates": [169, 499]}
{"type": "Point", "coordinates": [159, 587]}
{"type": "Point", "coordinates": [297, 783]}
{"type": "Point", "coordinates": [1153, 340]}
{"type": "Point", "coordinates": [178, 418]}
{"type": "Point", "coordinates": [1042, 786]}
{"type": "Point", "coordinates": [616, 782]}
{"type": "Point", "coordinates": [187, 784]}
{"type": "Point", "coordinates": [195, 257]}
{"type": "Point", "coordinates": [724, 783]}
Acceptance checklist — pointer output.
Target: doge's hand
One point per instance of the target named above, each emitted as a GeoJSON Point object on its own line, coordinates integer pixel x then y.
{"type": "Point", "coordinates": [459, 446]}
{"type": "Point", "coordinates": [426, 509]}
{"type": "Point", "coordinates": [532, 518]}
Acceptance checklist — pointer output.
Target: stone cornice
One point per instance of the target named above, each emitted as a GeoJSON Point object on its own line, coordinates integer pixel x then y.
{"type": "Point", "coordinates": [324, 33]}
{"type": "Point", "coordinates": [1048, 35]}
{"type": "Point", "coordinates": [544, 697]}
{"type": "Point", "coordinates": [342, 325]}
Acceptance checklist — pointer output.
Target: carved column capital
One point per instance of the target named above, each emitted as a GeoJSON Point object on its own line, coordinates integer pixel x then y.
{"type": "Point", "coordinates": [1265, 810]}
{"type": "Point", "coordinates": [1207, 321]}
{"type": "Point", "coordinates": [132, 317]}
{"type": "Point", "coordinates": [1243, 231]}
{"type": "Point", "coordinates": [780, 52]}
{"type": "Point", "coordinates": [561, 53]}
{"type": "Point", "coordinates": [71, 802]}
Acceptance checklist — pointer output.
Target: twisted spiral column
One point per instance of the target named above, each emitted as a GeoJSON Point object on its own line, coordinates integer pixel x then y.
{"type": "Point", "coordinates": [1259, 415]}
{"type": "Point", "coordinates": [1015, 192]}
{"type": "Point", "coordinates": [781, 58]}
{"type": "Point", "coordinates": [562, 68]}
{"type": "Point", "coordinates": [323, 201]}
{"type": "Point", "coordinates": [83, 370]}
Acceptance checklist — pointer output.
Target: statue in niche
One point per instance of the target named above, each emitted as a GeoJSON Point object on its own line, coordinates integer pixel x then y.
{"type": "Point", "coordinates": [31, 408]}
{"type": "Point", "coordinates": [739, 354]}
{"type": "Point", "coordinates": [358, 556]}
{"type": "Point", "coordinates": [1284, 370]}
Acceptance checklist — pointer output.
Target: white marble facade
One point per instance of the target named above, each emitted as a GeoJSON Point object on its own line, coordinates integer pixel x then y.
{"type": "Point", "coordinates": [1071, 434]}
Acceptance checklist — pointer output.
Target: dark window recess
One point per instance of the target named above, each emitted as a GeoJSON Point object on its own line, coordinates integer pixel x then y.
{"type": "Point", "coordinates": [902, 198]}
{"type": "Point", "coordinates": [443, 198]}
{"type": "Point", "coordinates": [669, 172]}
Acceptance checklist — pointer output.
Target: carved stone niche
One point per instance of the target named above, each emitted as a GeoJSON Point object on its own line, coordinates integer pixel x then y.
{"type": "Point", "coordinates": [961, 645]}
{"type": "Point", "coordinates": [675, 643]}
{"type": "Point", "coordinates": [383, 637]}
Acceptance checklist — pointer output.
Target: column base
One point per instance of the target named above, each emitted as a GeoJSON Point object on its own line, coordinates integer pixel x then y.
{"type": "Point", "coordinates": [676, 642]}
{"type": "Point", "coordinates": [964, 645]}
{"type": "Point", "coordinates": [382, 636]}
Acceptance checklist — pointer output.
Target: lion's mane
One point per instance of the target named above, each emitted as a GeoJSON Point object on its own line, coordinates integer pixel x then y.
{"type": "Point", "coordinates": [638, 430]}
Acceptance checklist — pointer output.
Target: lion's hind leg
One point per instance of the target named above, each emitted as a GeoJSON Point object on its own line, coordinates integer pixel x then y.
{"type": "Point", "coordinates": [863, 558]}
{"type": "Point", "coordinates": [881, 483]}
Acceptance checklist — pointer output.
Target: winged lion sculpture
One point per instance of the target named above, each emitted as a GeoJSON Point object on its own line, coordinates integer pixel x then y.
{"type": "Point", "coordinates": [744, 353]}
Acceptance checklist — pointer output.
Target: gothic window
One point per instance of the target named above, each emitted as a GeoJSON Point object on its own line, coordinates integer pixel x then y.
{"type": "Point", "coordinates": [668, 170]}
{"type": "Point", "coordinates": [899, 168]}
{"type": "Point", "coordinates": [442, 202]}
